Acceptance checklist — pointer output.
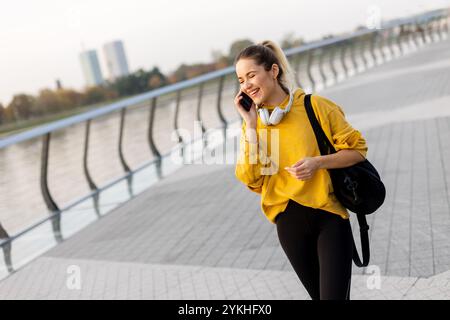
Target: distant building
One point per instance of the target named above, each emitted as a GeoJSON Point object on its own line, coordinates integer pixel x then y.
{"type": "Point", "coordinates": [58, 84]}
{"type": "Point", "coordinates": [91, 68]}
{"type": "Point", "coordinates": [116, 60]}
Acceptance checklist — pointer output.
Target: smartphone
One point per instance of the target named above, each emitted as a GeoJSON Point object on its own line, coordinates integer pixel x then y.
{"type": "Point", "coordinates": [246, 101]}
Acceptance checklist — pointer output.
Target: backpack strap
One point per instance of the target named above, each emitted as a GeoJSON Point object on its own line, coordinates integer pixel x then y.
{"type": "Point", "coordinates": [364, 235]}
{"type": "Point", "coordinates": [326, 147]}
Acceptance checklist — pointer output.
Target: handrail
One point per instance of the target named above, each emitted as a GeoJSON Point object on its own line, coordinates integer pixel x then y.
{"type": "Point", "coordinates": [89, 115]}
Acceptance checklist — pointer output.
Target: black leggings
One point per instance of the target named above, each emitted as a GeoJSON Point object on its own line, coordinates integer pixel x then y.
{"type": "Point", "coordinates": [319, 247]}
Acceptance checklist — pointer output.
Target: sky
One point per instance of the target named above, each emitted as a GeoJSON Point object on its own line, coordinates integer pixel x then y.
{"type": "Point", "coordinates": [40, 41]}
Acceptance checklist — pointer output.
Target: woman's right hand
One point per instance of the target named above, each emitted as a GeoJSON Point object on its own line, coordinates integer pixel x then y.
{"type": "Point", "coordinates": [250, 117]}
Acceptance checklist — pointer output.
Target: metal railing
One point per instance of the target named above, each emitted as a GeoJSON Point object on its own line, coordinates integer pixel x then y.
{"type": "Point", "coordinates": [317, 65]}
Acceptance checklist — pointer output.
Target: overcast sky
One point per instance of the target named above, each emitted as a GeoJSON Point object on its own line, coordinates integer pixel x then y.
{"type": "Point", "coordinates": [41, 40]}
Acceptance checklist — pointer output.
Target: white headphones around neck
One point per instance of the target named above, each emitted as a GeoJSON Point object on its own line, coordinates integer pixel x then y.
{"type": "Point", "coordinates": [277, 114]}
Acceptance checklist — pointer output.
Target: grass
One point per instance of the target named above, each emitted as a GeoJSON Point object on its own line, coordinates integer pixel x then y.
{"type": "Point", "coordinates": [23, 125]}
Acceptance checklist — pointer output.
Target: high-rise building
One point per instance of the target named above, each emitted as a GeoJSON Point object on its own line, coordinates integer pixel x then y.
{"type": "Point", "coordinates": [58, 84]}
{"type": "Point", "coordinates": [91, 68]}
{"type": "Point", "coordinates": [116, 60]}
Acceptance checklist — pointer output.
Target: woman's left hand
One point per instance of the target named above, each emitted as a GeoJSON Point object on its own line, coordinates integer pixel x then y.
{"type": "Point", "coordinates": [304, 169]}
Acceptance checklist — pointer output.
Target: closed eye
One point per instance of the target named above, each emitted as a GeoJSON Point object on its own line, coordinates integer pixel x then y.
{"type": "Point", "coordinates": [249, 77]}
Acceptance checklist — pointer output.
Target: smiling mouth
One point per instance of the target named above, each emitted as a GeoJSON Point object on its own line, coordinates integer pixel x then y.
{"type": "Point", "coordinates": [254, 92]}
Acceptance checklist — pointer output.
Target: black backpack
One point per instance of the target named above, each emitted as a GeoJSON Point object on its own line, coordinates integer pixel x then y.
{"type": "Point", "coordinates": [358, 187]}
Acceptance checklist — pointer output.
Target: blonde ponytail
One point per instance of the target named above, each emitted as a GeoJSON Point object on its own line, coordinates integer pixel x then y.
{"type": "Point", "coordinates": [288, 77]}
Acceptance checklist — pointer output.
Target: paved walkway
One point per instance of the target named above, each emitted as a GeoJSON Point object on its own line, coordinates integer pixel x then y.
{"type": "Point", "coordinates": [199, 234]}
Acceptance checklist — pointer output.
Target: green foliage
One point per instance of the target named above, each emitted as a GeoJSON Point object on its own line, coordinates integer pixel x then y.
{"type": "Point", "coordinates": [23, 106]}
{"type": "Point", "coordinates": [2, 114]}
{"type": "Point", "coordinates": [63, 100]}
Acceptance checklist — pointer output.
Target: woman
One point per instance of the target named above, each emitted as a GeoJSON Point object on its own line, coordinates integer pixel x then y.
{"type": "Point", "coordinates": [297, 194]}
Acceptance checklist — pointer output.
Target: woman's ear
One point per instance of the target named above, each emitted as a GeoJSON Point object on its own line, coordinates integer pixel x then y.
{"type": "Point", "coordinates": [275, 71]}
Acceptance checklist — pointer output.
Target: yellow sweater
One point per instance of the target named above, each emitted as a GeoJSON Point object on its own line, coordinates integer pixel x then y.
{"type": "Point", "coordinates": [296, 141]}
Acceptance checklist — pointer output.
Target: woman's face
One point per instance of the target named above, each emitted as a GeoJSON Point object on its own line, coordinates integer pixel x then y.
{"type": "Point", "coordinates": [256, 82]}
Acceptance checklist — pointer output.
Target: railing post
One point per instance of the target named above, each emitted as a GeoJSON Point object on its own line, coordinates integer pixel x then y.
{"type": "Point", "coordinates": [343, 59]}
{"type": "Point", "coordinates": [441, 28]}
{"type": "Point", "coordinates": [363, 52]}
{"type": "Point", "coordinates": [219, 102]}
{"type": "Point", "coordinates": [297, 70]}
{"type": "Point", "coordinates": [435, 24]}
{"type": "Point", "coordinates": [198, 116]}
{"type": "Point", "coordinates": [374, 38]}
{"type": "Point", "coordinates": [89, 180]}
{"type": "Point", "coordinates": [419, 34]}
{"type": "Point", "coordinates": [51, 205]}
{"type": "Point", "coordinates": [400, 39]}
{"type": "Point", "coordinates": [151, 142]}
{"type": "Point", "coordinates": [422, 33]}
{"type": "Point", "coordinates": [321, 71]}
{"type": "Point", "coordinates": [390, 42]}
{"type": "Point", "coordinates": [438, 28]}
{"type": "Point", "coordinates": [6, 248]}
{"type": "Point", "coordinates": [447, 25]}
{"type": "Point", "coordinates": [434, 30]}
{"type": "Point", "coordinates": [411, 36]}
{"type": "Point", "coordinates": [429, 27]}
{"type": "Point", "coordinates": [394, 41]}
{"type": "Point", "coordinates": [429, 31]}
{"type": "Point", "coordinates": [87, 175]}
{"type": "Point", "coordinates": [352, 55]}
{"type": "Point", "coordinates": [382, 44]}
{"type": "Point", "coordinates": [125, 166]}
{"type": "Point", "coordinates": [310, 77]}
{"type": "Point", "coordinates": [175, 122]}
{"type": "Point", "coordinates": [219, 111]}
{"type": "Point", "coordinates": [332, 66]}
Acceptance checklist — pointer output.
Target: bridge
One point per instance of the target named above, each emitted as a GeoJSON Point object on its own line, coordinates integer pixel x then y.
{"type": "Point", "coordinates": [153, 220]}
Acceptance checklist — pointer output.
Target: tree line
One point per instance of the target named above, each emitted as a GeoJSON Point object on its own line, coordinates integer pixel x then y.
{"type": "Point", "coordinates": [50, 101]}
